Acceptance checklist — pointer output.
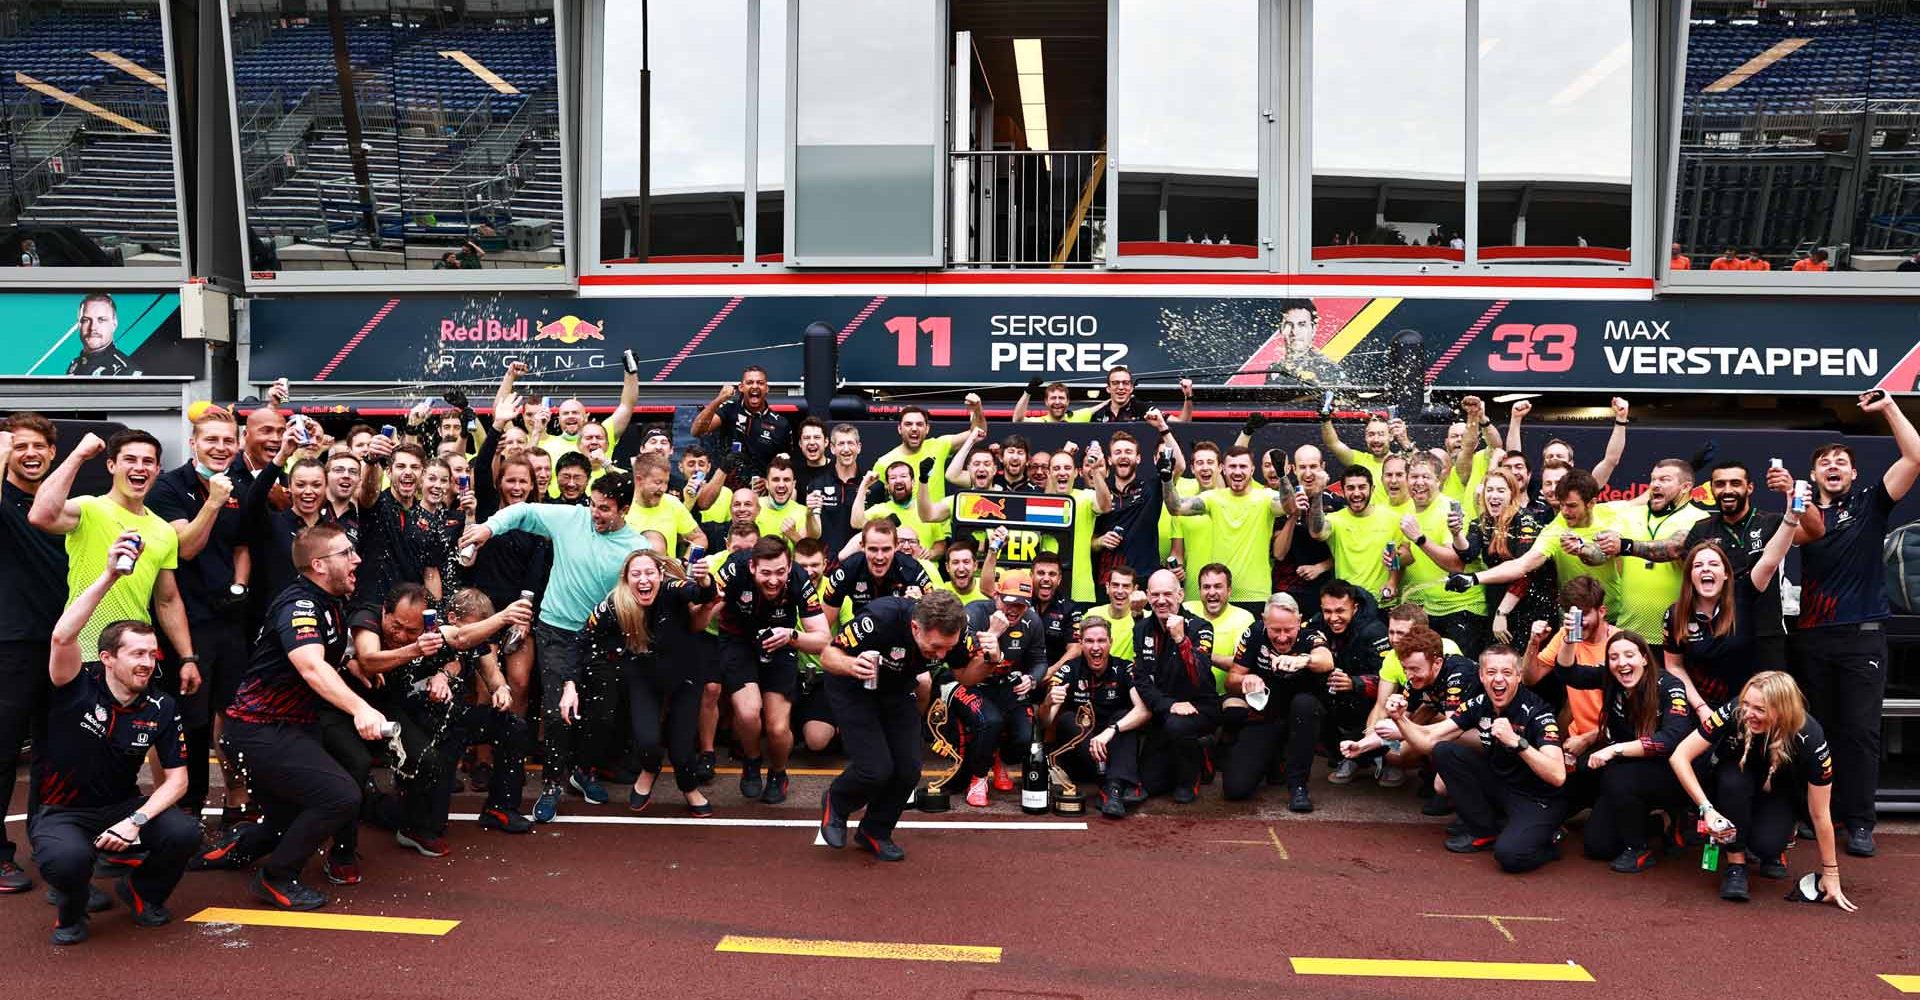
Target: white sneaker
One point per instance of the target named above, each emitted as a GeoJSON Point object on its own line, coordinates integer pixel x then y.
{"type": "Point", "coordinates": [1343, 772]}
{"type": "Point", "coordinates": [1392, 777]}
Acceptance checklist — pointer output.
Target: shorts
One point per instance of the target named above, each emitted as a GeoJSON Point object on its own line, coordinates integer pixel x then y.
{"type": "Point", "coordinates": [812, 706]}
{"type": "Point", "coordinates": [706, 651]}
{"type": "Point", "coordinates": [740, 665]}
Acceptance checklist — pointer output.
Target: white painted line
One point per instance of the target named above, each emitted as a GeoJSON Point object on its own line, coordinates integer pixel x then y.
{"type": "Point", "coordinates": [590, 820]}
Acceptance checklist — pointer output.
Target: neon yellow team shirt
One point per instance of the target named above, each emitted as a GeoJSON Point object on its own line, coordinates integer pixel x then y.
{"type": "Point", "coordinates": [721, 510]}
{"type": "Point", "coordinates": [1121, 629]}
{"type": "Point", "coordinates": [1424, 581]}
{"type": "Point", "coordinates": [1391, 672]}
{"type": "Point", "coordinates": [1468, 493]}
{"type": "Point", "coordinates": [771, 517]}
{"type": "Point", "coordinates": [933, 447]}
{"type": "Point", "coordinates": [714, 561]}
{"type": "Point", "coordinates": [1365, 460]}
{"type": "Point", "coordinates": [968, 596]}
{"type": "Point", "coordinates": [557, 445]}
{"type": "Point", "coordinates": [1195, 532]}
{"type": "Point", "coordinates": [1232, 624]}
{"type": "Point", "coordinates": [1241, 536]}
{"type": "Point", "coordinates": [669, 517]}
{"type": "Point", "coordinates": [1083, 548]}
{"type": "Point", "coordinates": [131, 597]}
{"type": "Point", "coordinates": [908, 514]}
{"type": "Point", "coordinates": [1647, 589]}
{"type": "Point", "coordinates": [1358, 543]}
{"type": "Point", "coordinates": [1606, 517]}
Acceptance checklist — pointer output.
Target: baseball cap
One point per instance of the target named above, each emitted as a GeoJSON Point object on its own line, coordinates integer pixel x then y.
{"type": "Point", "coordinates": [1016, 585]}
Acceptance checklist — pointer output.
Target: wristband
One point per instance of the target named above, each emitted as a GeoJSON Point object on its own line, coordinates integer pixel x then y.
{"type": "Point", "coordinates": [1421, 541]}
{"type": "Point", "coordinates": [1626, 546]}
{"type": "Point", "coordinates": [189, 658]}
{"type": "Point", "coordinates": [1620, 423]}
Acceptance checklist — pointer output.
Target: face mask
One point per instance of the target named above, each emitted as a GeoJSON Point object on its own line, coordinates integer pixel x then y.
{"type": "Point", "coordinates": [204, 472]}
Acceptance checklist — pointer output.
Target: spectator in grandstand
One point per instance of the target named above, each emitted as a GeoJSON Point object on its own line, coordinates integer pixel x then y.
{"type": "Point", "coordinates": [1279, 671]}
{"type": "Point", "coordinates": [29, 253]}
{"type": "Point", "coordinates": [1677, 261]}
{"type": "Point", "coordinates": [1171, 671]}
{"type": "Point", "coordinates": [99, 320]}
{"type": "Point", "coordinates": [1768, 755]}
{"type": "Point", "coordinates": [33, 589]}
{"type": "Point", "coordinates": [1840, 646]}
{"type": "Point", "coordinates": [1729, 260]}
{"type": "Point", "coordinates": [1753, 261]}
{"type": "Point", "coordinates": [1813, 261]}
{"type": "Point", "coordinates": [466, 258]}
{"type": "Point", "coordinates": [1112, 755]}
{"type": "Point", "coordinates": [749, 433]}
{"type": "Point", "coordinates": [1911, 263]}
{"type": "Point", "coordinates": [87, 769]}
{"type": "Point", "coordinates": [1509, 793]}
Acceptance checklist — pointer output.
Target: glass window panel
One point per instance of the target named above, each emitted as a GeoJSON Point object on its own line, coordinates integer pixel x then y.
{"type": "Point", "coordinates": [770, 189]}
{"type": "Point", "coordinates": [458, 163]}
{"type": "Point", "coordinates": [1797, 146]}
{"type": "Point", "coordinates": [697, 169]}
{"type": "Point", "coordinates": [1389, 130]}
{"type": "Point", "coordinates": [1556, 134]}
{"type": "Point", "coordinates": [86, 139]}
{"type": "Point", "coordinates": [1190, 122]}
{"type": "Point", "coordinates": [869, 126]}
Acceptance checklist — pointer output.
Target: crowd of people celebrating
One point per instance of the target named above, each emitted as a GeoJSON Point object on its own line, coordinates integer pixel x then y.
{"type": "Point", "coordinates": [444, 599]}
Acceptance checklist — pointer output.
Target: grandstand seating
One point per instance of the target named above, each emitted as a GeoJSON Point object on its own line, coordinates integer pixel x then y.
{"type": "Point", "coordinates": [58, 50]}
{"type": "Point", "coordinates": [121, 190]}
{"type": "Point", "coordinates": [294, 61]}
{"type": "Point", "coordinates": [425, 79]}
{"type": "Point", "coordinates": [1878, 59]}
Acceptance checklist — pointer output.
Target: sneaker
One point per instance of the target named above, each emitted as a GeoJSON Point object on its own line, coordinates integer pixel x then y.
{"type": "Point", "coordinates": [1458, 827]}
{"type": "Point", "coordinates": [705, 767]}
{"type": "Point", "coordinates": [776, 792]}
{"type": "Point", "coordinates": [505, 821]}
{"type": "Point", "coordinates": [427, 844]}
{"type": "Point", "coordinates": [833, 826]}
{"type": "Point", "coordinates": [752, 786]}
{"type": "Point", "coordinates": [1301, 801]}
{"type": "Point", "coordinates": [977, 793]}
{"type": "Point", "coordinates": [1392, 777]}
{"type": "Point", "coordinates": [1469, 843]}
{"type": "Point", "coordinates": [1002, 782]}
{"type": "Point", "coordinates": [700, 810]}
{"type": "Point", "coordinates": [1633, 861]}
{"type": "Point", "coordinates": [1803, 830]}
{"type": "Point", "coordinates": [145, 914]}
{"type": "Point", "coordinates": [14, 878]}
{"type": "Point", "coordinates": [885, 850]}
{"type": "Point", "coordinates": [97, 899]}
{"type": "Point", "coordinates": [1733, 885]}
{"type": "Point", "coordinates": [1343, 772]}
{"type": "Point", "coordinates": [70, 933]}
{"type": "Point", "coordinates": [286, 894]}
{"type": "Point", "coordinates": [589, 787]}
{"type": "Point", "coordinates": [1112, 803]}
{"type": "Point", "coordinates": [545, 806]}
{"type": "Point", "coordinates": [1860, 842]}
{"type": "Point", "coordinates": [1439, 805]}
{"type": "Point", "coordinates": [1774, 867]}
{"type": "Point", "coordinates": [343, 870]}
{"type": "Point", "coordinates": [1133, 795]}
{"type": "Point", "coordinates": [1184, 795]}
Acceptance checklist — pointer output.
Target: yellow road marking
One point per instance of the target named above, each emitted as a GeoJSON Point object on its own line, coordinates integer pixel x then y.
{"type": "Point", "coordinates": [1357, 328]}
{"type": "Point", "coordinates": [1273, 841]}
{"type": "Point", "coordinates": [1533, 972]}
{"type": "Point", "coordinates": [1277, 845]}
{"type": "Point", "coordinates": [125, 65]}
{"type": "Point", "coordinates": [1905, 984]}
{"type": "Point", "coordinates": [323, 921]}
{"type": "Point", "coordinates": [1496, 920]}
{"type": "Point", "coordinates": [859, 949]}
{"type": "Point", "coordinates": [82, 103]}
{"type": "Point", "coordinates": [1776, 52]}
{"type": "Point", "coordinates": [486, 75]}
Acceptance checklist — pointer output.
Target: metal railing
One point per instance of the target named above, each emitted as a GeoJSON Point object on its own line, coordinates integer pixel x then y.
{"type": "Point", "coordinates": [1028, 208]}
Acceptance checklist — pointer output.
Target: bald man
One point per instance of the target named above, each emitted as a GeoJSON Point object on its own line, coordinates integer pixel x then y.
{"type": "Point", "coordinates": [1173, 671]}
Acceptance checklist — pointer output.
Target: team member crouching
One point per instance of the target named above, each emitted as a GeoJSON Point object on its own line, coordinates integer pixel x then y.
{"type": "Point", "coordinates": [1111, 756]}
{"type": "Point", "coordinates": [769, 612]}
{"type": "Point", "coordinates": [439, 701]}
{"type": "Point", "coordinates": [1436, 685]}
{"type": "Point", "coordinates": [1769, 752]}
{"type": "Point", "coordinates": [1510, 791]}
{"type": "Point", "coordinates": [872, 668]}
{"type": "Point", "coordinates": [647, 627]}
{"type": "Point", "coordinates": [1173, 670]}
{"type": "Point", "coordinates": [297, 663]}
{"type": "Point", "coordinates": [1280, 670]}
{"type": "Point", "coordinates": [102, 721]}
{"type": "Point", "coordinates": [996, 714]}
{"type": "Point", "coordinates": [1644, 716]}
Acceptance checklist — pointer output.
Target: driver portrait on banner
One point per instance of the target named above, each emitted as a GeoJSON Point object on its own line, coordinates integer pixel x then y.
{"type": "Point", "coordinates": [99, 320]}
{"type": "Point", "coordinates": [1298, 359]}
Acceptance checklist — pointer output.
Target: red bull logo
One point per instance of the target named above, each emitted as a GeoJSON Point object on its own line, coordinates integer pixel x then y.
{"type": "Point", "coordinates": [485, 331]}
{"type": "Point", "coordinates": [570, 330]}
{"type": "Point", "coordinates": [989, 508]}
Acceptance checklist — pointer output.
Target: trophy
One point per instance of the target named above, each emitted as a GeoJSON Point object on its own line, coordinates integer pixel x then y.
{"type": "Point", "coordinates": [1068, 799]}
{"type": "Point", "coordinates": [935, 796]}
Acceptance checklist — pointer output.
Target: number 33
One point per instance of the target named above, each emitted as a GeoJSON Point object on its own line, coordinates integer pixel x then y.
{"type": "Point", "coordinates": [1528, 348]}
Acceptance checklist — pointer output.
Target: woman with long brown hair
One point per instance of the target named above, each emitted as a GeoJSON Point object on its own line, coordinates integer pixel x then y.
{"type": "Point", "coordinates": [1710, 629]}
{"type": "Point", "coordinates": [1644, 718]}
{"type": "Point", "coordinates": [1768, 751]}
{"type": "Point", "coordinates": [647, 625]}
{"type": "Point", "coordinates": [1505, 530]}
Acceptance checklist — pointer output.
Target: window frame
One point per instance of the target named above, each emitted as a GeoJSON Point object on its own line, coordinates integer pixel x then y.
{"type": "Point", "coordinates": [489, 278]}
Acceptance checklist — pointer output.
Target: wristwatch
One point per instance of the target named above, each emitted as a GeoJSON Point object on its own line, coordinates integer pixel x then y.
{"type": "Point", "coordinates": [238, 590]}
{"type": "Point", "coordinates": [190, 658]}
{"type": "Point", "coordinates": [1523, 746]}
{"type": "Point", "coordinates": [138, 819]}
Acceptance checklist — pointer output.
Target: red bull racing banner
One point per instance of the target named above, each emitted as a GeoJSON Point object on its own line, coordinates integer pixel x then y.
{"type": "Point", "coordinates": [1702, 344]}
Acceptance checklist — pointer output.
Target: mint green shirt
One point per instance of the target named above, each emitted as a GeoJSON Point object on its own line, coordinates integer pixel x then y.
{"type": "Point", "coordinates": [586, 563]}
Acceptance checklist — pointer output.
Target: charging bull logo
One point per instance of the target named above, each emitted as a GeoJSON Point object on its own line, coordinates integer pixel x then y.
{"type": "Point", "coordinates": [987, 508]}
{"type": "Point", "coordinates": [570, 330]}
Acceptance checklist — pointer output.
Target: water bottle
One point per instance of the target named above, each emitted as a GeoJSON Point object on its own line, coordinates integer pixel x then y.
{"type": "Point", "coordinates": [517, 635]}
{"type": "Point", "coordinates": [1034, 784]}
{"type": "Point", "coordinates": [1576, 625]}
{"type": "Point", "coordinates": [124, 564]}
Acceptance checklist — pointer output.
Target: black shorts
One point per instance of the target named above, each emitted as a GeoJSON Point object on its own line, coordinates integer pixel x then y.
{"type": "Point", "coordinates": [812, 705]}
{"type": "Point", "coordinates": [741, 665]}
{"type": "Point", "coordinates": [706, 648]}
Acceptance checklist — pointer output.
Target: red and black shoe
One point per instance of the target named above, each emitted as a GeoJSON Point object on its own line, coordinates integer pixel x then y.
{"type": "Point", "coordinates": [342, 870]}
{"type": "Point", "coordinates": [287, 894]}
{"type": "Point", "coordinates": [233, 850]}
{"type": "Point", "coordinates": [1002, 781]}
{"type": "Point", "coordinates": [1634, 860]}
{"type": "Point", "coordinates": [1469, 843]}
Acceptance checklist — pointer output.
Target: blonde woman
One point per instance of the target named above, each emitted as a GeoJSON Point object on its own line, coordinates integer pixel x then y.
{"type": "Point", "coordinates": [1766, 750]}
{"type": "Point", "coordinates": [647, 626]}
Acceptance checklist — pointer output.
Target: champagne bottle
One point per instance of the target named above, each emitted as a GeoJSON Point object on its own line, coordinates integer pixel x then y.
{"type": "Point", "coordinates": [1034, 783]}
